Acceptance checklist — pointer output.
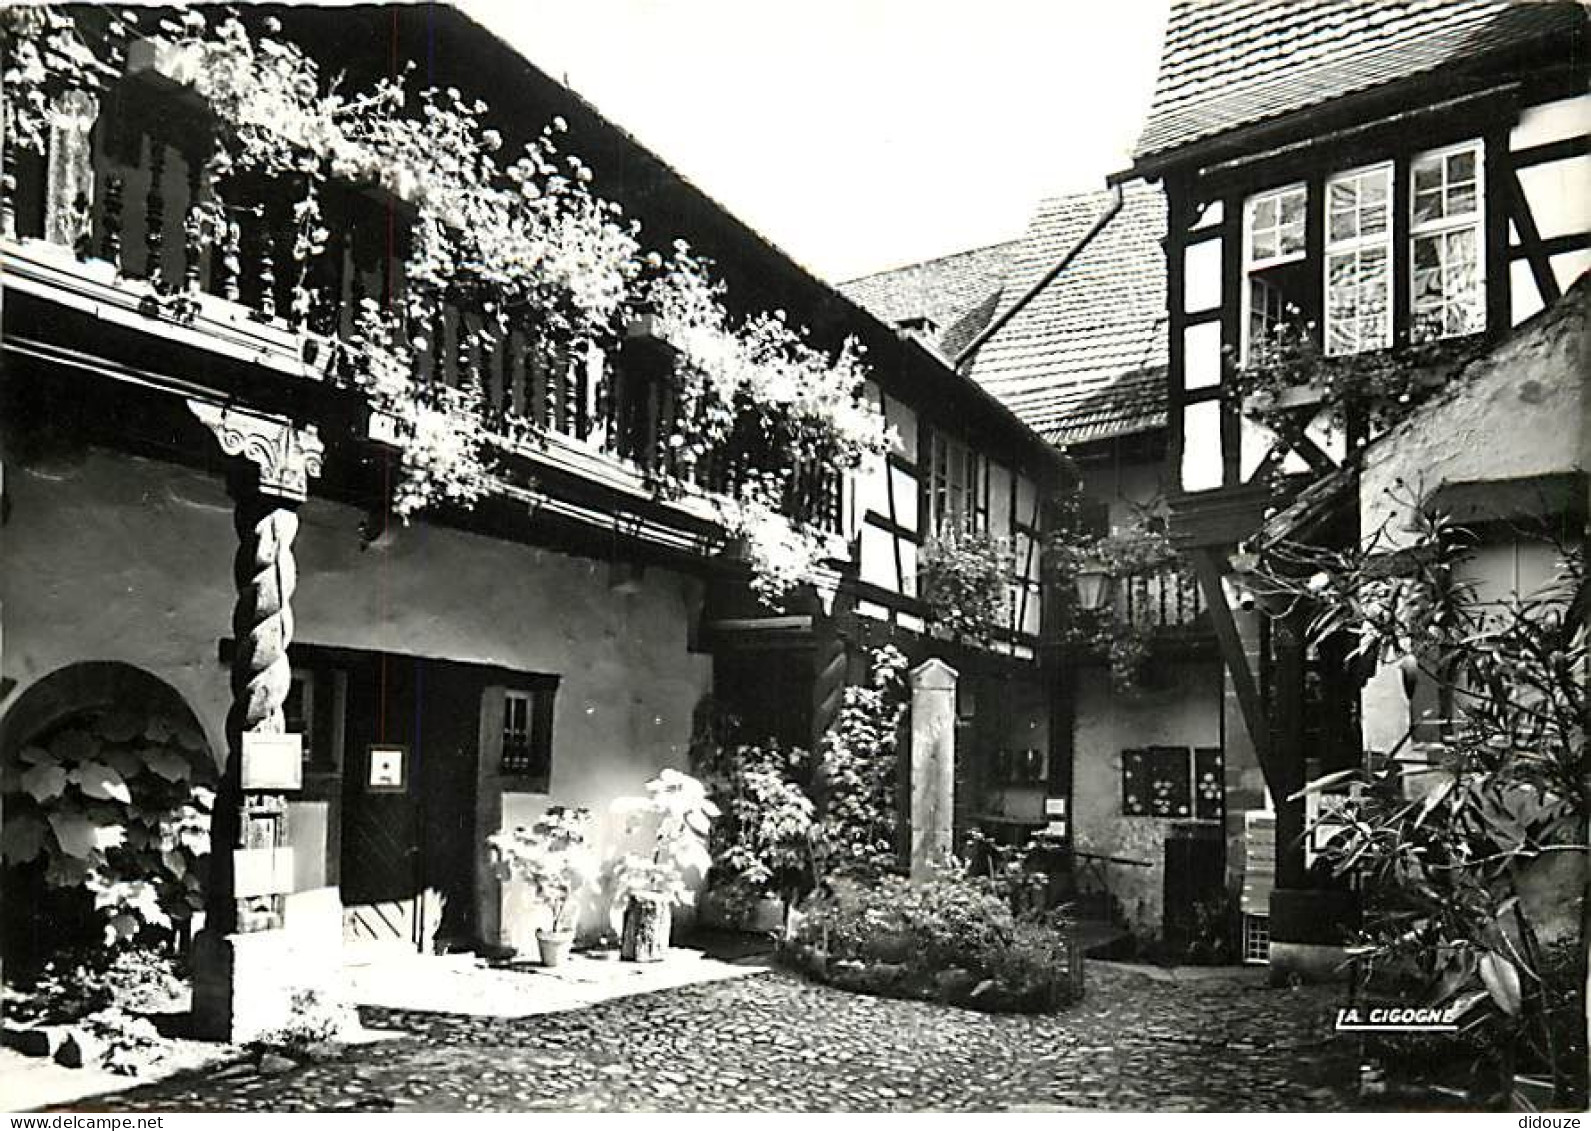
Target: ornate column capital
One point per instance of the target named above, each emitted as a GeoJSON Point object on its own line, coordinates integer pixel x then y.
{"type": "Point", "coordinates": [285, 456]}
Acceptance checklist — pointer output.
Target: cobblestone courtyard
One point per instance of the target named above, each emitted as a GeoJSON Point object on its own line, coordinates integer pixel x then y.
{"type": "Point", "coordinates": [776, 1042]}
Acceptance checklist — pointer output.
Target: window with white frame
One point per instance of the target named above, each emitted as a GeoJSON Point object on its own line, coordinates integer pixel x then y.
{"type": "Point", "coordinates": [1447, 297]}
{"type": "Point", "coordinates": [956, 496]}
{"type": "Point", "coordinates": [1273, 258]}
{"type": "Point", "coordinates": [1446, 276]}
{"type": "Point", "coordinates": [1359, 260]}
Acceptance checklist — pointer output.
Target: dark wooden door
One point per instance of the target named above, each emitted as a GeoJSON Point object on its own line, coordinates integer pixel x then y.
{"type": "Point", "coordinates": [382, 883]}
{"type": "Point", "coordinates": [1195, 874]}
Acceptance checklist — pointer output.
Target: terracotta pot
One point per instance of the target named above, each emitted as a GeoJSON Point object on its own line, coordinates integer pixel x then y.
{"type": "Point", "coordinates": [554, 946]}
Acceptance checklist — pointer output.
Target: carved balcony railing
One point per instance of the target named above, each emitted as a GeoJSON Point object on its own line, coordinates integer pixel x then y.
{"type": "Point", "coordinates": [124, 187]}
{"type": "Point", "coordinates": [1168, 598]}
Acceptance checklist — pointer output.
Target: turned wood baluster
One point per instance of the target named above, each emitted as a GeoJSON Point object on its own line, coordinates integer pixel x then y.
{"type": "Point", "coordinates": [465, 377]}
{"type": "Point", "coordinates": [155, 213]}
{"type": "Point", "coordinates": [267, 263]}
{"type": "Point", "coordinates": [110, 237]}
{"type": "Point", "coordinates": [231, 260]}
{"type": "Point", "coordinates": [574, 377]}
{"type": "Point", "coordinates": [551, 359]}
{"type": "Point", "coordinates": [199, 230]}
{"type": "Point", "coordinates": [8, 188]}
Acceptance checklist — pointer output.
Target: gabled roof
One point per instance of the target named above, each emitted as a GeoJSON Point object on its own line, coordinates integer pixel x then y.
{"type": "Point", "coordinates": [1085, 358]}
{"type": "Point", "coordinates": [957, 293]}
{"type": "Point", "coordinates": [1232, 63]}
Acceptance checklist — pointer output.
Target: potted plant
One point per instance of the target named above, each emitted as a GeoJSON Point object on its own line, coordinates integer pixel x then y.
{"type": "Point", "coordinates": [645, 886]}
{"type": "Point", "coordinates": [555, 859]}
{"type": "Point", "coordinates": [765, 849]}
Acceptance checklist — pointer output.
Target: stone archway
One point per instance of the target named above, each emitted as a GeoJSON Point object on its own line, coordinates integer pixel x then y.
{"type": "Point", "coordinates": [106, 775]}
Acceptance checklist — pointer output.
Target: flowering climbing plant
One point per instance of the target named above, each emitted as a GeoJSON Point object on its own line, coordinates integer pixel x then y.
{"type": "Point", "coordinates": [518, 236]}
{"type": "Point", "coordinates": [1378, 386]}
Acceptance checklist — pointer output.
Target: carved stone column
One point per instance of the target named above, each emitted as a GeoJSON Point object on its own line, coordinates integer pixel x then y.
{"type": "Point", "coordinates": [247, 970]}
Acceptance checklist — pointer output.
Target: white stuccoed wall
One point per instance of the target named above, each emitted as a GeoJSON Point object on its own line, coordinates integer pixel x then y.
{"type": "Point", "coordinates": [109, 557]}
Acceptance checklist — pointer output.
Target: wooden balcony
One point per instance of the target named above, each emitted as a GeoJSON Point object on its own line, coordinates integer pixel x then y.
{"type": "Point", "coordinates": [1167, 599]}
{"type": "Point", "coordinates": [120, 219]}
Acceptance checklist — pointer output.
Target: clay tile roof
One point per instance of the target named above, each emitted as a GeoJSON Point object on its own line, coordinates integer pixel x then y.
{"type": "Point", "coordinates": [956, 292]}
{"type": "Point", "coordinates": [1085, 359]}
{"type": "Point", "coordinates": [1232, 63]}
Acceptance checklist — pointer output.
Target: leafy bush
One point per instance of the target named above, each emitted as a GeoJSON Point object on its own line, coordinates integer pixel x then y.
{"type": "Point", "coordinates": [1456, 834]}
{"type": "Point", "coordinates": [81, 982]}
{"type": "Point", "coordinates": [554, 857]}
{"type": "Point", "coordinates": [116, 803]}
{"type": "Point", "coordinates": [857, 768]}
{"type": "Point", "coordinates": [680, 816]}
{"type": "Point", "coordinates": [948, 936]}
{"type": "Point", "coordinates": [764, 842]}
{"type": "Point", "coordinates": [314, 1019]}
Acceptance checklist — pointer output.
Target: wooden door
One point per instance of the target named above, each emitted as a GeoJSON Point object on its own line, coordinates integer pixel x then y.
{"type": "Point", "coordinates": [382, 885]}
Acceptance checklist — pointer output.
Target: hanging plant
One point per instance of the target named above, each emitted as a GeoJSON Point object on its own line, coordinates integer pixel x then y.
{"type": "Point", "coordinates": [508, 235]}
{"type": "Point", "coordinates": [1120, 632]}
{"type": "Point", "coordinates": [966, 582]}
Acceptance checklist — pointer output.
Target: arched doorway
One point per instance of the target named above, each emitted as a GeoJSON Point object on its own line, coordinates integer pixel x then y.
{"type": "Point", "coordinates": [107, 779]}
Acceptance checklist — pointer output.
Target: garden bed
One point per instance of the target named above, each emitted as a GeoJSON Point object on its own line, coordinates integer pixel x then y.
{"type": "Point", "coordinates": [946, 938]}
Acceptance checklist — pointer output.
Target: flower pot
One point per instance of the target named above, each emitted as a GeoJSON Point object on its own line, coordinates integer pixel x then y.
{"type": "Point", "coordinates": [648, 919]}
{"type": "Point", "coordinates": [766, 915]}
{"type": "Point", "coordinates": [554, 946]}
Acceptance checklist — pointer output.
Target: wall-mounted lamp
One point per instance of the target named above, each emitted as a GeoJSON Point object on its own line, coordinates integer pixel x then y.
{"type": "Point", "coordinates": [1093, 589]}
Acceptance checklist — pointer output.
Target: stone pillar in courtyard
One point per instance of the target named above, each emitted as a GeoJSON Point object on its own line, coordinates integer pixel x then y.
{"type": "Point", "coordinates": [248, 968]}
{"type": "Point", "coordinates": [933, 763]}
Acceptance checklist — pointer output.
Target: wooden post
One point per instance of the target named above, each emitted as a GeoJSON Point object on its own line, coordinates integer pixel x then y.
{"type": "Point", "coordinates": [1287, 750]}
{"type": "Point", "coordinates": [246, 968]}
{"type": "Point", "coordinates": [69, 170]}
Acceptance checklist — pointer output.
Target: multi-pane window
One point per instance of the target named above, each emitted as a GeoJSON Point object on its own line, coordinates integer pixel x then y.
{"type": "Point", "coordinates": [1447, 289]}
{"type": "Point", "coordinates": [956, 495]}
{"type": "Point", "coordinates": [1445, 231]}
{"type": "Point", "coordinates": [1359, 261]}
{"type": "Point", "coordinates": [1276, 226]}
{"type": "Point", "coordinates": [527, 735]}
{"type": "Point", "coordinates": [1256, 938]}
{"type": "Point", "coordinates": [1273, 251]}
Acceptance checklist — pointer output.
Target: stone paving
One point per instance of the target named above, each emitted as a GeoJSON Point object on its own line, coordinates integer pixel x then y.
{"type": "Point", "coordinates": [773, 1041]}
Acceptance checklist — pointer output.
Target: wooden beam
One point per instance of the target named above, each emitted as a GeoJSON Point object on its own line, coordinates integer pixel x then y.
{"type": "Point", "coordinates": [1218, 518]}
{"type": "Point", "coordinates": [1518, 206]}
{"type": "Point", "coordinates": [1207, 567]}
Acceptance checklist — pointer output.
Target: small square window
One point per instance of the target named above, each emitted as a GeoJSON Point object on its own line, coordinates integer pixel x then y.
{"type": "Point", "coordinates": [1256, 939]}
{"type": "Point", "coordinates": [527, 736]}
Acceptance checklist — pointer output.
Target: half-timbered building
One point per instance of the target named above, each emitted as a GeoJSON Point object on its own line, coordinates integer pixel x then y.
{"type": "Point", "coordinates": [1066, 325]}
{"type": "Point", "coordinates": [185, 491]}
{"type": "Point", "coordinates": [1389, 177]}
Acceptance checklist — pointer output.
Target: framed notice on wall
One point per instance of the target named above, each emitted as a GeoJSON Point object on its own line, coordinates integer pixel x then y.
{"type": "Point", "coordinates": [387, 770]}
